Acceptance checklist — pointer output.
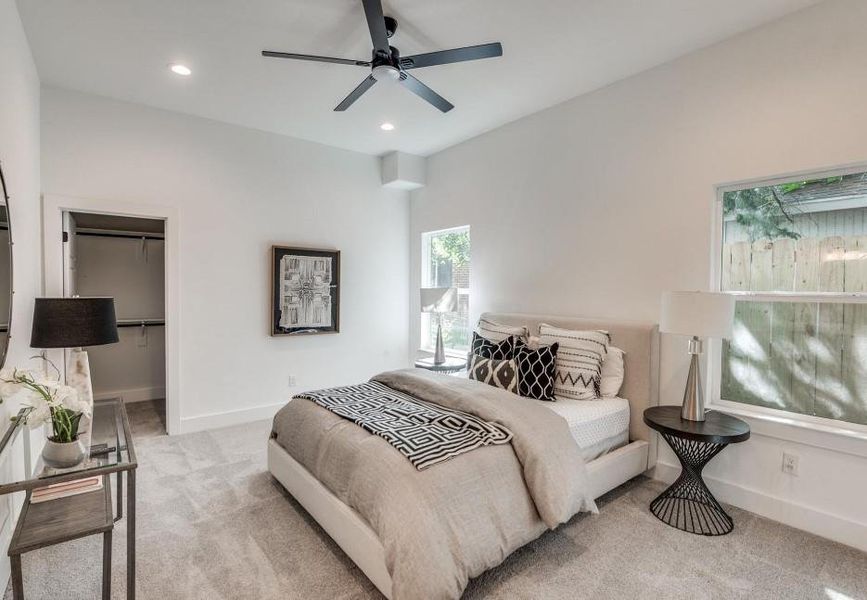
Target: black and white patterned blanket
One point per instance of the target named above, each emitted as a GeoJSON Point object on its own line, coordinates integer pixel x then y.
{"type": "Point", "coordinates": [424, 432]}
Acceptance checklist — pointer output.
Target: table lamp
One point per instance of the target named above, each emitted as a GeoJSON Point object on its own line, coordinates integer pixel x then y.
{"type": "Point", "coordinates": [439, 300]}
{"type": "Point", "coordinates": [75, 323]}
{"type": "Point", "coordinates": [700, 315]}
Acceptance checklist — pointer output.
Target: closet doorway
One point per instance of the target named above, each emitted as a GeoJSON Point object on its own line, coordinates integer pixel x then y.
{"type": "Point", "coordinates": [124, 257]}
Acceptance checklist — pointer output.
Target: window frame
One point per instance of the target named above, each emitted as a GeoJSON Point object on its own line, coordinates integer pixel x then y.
{"type": "Point", "coordinates": [425, 343]}
{"type": "Point", "coordinates": [821, 432]}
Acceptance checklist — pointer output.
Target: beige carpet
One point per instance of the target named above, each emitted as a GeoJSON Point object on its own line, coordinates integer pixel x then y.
{"type": "Point", "coordinates": [214, 525]}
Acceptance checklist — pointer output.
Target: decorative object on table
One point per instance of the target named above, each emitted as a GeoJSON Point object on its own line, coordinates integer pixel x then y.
{"type": "Point", "coordinates": [450, 365]}
{"type": "Point", "coordinates": [305, 291]}
{"type": "Point", "coordinates": [75, 323]}
{"type": "Point", "coordinates": [51, 402]}
{"type": "Point", "coordinates": [696, 314]}
{"type": "Point", "coordinates": [439, 300]}
{"type": "Point", "coordinates": [687, 504]}
{"type": "Point", "coordinates": [5, 269]}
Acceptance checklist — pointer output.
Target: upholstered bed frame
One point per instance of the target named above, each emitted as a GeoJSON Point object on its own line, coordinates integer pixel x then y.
{"type": "Point", "coordinates": [639, 341]}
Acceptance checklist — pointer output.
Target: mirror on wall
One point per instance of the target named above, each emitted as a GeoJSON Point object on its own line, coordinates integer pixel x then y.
{"type": "Point", "coordinates": [5, 269]}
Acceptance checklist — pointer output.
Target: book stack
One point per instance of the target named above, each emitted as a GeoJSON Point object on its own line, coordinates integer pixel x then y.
{"type": "Point", "coordinates": [65, 489]}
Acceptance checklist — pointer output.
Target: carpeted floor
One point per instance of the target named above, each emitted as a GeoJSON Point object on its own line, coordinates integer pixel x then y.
{"type": "Point", "coordinates": [214, 525]}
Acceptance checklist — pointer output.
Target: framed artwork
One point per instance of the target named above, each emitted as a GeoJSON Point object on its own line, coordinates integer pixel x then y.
{"type": "Point", "coordinates": [305, 292]}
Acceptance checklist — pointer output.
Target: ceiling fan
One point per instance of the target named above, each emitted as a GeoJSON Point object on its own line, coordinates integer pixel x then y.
{"type": "Point", "coordinates": [387, 64]}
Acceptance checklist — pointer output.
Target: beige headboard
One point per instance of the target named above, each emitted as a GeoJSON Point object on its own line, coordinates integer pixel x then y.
{"type": "Point", "coordinates": [639, 342]}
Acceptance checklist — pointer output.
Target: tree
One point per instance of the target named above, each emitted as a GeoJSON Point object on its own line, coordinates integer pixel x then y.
{"type": "Point", "coordinates": [767, 212]}
{"type": "Point", "coordinates": [453, 248]}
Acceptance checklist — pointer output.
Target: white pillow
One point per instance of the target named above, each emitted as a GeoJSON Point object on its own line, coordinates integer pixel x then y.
{"type": "Point", "coordinates": [612, 373]}
{"type": "Point", "coordinates": [578, 369]}
{"type": "Point", "coordinates": [497, 333]}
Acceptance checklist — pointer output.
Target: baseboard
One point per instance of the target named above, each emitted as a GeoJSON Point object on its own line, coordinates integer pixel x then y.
{"type": "Point", "coordinates": [813, 520]}
{"type": "Point", "coordinates": [232, 417]}
{"type": "Point", "coordinates": [133, 395]}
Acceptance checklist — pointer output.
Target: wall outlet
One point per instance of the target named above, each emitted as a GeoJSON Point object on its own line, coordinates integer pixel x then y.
{"type": "Point", "coordinates": [790, 464]}
{"type": "Point", "coordinates": [293, 381]}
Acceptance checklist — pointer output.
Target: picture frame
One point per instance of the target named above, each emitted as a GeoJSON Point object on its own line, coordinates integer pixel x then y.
{"type": "Point", "coordinates": [305, 291]}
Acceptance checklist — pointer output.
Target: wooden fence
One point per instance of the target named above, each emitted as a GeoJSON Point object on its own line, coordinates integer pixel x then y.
{"type": "Point", "coordinates": [805, 357]}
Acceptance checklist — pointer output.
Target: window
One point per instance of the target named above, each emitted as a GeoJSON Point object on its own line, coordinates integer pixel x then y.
{"type": "Point", "coordinates": [795, 254]}
{"type": "Point", "coordinates": [445, 262]}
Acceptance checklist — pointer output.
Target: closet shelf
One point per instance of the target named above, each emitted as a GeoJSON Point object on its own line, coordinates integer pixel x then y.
{"type": "Point", "coordinates": [141, 323]}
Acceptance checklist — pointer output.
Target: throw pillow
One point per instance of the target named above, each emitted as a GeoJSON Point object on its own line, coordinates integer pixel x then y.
{"type": "Point", "coordinates": [536, 370]}
{"type": "Point", "coordinates": [497, 332]}
{"type": "Point", "coordinates": [504, 350]}
{"type": "Point", "coordinates": [612, 373]}
{"type": "Point", "coordinates": [579, 360]}
{"type": "Point", "coordinates": [498, 373]}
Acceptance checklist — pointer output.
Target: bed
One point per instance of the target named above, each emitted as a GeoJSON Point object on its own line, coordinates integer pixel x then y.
{"type": "Point", "coordinates": [612, 456]}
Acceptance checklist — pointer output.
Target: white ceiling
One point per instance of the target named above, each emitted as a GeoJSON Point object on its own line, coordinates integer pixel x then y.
{"type": "Point", "coordinates": [553, 50]}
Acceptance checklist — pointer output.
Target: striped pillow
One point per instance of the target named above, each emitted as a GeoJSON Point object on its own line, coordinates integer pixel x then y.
{"type": "Point", "coordinates": [497, 333]}
{"type": "Point", "coordinates": [579, 360]}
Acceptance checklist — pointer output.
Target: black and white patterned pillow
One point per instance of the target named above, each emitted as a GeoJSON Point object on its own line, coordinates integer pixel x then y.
{"type": "Point", "coordinates": [579, 360]}
{"type": "Point", "coordinates": [498, 373]}
{"type": "Point", "coordinates": [536, 369]}
{"type": "Point", "coordinates": [504, 350]}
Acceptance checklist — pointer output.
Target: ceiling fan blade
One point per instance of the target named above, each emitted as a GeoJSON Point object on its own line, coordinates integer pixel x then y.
{"type": "Point", "coordinates": [376, 24]}
{"type": "Point", "coordinates": [423, 91]}
{"type": "Point", "coordinates": [356, 93]}
{"type": "Point", "coordinates": [326, 59]}
{"type": "Point", "coordinates": [444, 57]}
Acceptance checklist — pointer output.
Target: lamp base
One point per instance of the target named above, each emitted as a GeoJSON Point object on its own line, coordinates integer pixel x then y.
{"type": "Point", "coordinates": [78, 377]}
{"type": "Point", "coordinates": [439, 353]}
{"type": "Point", "coordinates": [693, 408]}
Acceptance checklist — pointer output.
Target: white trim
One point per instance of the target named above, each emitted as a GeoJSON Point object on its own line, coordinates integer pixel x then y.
{"type": "Point", "coordinates": [230, 417]}
{"type": "Point", "coordinates": [827, 434]}
{"type": "Point", "coordinates": [807, 518]}
{"type": "Point", "coordinates": [820, 432]}
{"type": "Point", "coordinates": [53, 207]}
{"type": "Point", "coordinates": [424, 343]}
{"type": "Point", "coordinates": [133, 394]}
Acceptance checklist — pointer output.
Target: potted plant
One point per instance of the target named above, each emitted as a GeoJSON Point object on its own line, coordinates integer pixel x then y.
{"type": "Point", "coordinates": [51, 401]}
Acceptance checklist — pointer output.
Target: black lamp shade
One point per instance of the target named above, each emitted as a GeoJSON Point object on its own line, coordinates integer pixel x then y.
{"type": "Point", "coordinates": [73, 322]}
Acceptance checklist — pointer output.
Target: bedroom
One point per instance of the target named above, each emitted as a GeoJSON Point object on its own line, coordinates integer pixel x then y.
{"type": "Point", "coordinates": [586, 162]}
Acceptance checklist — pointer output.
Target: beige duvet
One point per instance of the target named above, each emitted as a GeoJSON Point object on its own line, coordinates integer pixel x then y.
{"type": "Point", "coordinates": [446, 524]}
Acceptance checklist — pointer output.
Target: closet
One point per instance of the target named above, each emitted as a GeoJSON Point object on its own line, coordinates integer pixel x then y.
{"type": "Point", "coordinates": [124, 257]}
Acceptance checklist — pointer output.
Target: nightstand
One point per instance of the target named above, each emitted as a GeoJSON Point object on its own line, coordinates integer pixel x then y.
{"type": "Point", "coordinates": [687, 504]}
{"type": "Point", "coordinates": [452, 365]}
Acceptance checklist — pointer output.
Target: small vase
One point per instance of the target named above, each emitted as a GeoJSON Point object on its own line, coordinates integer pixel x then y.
{"type": "Point", "coordinates": [62, 455]}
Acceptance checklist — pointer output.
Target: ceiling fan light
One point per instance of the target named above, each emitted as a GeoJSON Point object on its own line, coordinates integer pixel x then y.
{"type": "Point", "coordinates": [386, 73]}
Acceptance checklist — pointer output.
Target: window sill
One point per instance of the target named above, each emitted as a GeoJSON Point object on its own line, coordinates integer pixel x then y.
{"type": "Point", "coordinates": [779, 426]}
{"type": "Point", "coordinates": [450, 353]}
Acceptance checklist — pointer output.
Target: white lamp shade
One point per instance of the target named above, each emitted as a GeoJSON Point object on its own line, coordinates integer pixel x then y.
{"type": "Point", "coordinates": [439, 300]}
{"type": "Point", "coordinates": [702, 314]}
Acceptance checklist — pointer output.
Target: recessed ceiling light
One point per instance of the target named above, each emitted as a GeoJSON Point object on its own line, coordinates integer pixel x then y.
{"type": "Point", "coordinates": [386, 126]}
{"type": "Point", "coordinates": [179, 69]}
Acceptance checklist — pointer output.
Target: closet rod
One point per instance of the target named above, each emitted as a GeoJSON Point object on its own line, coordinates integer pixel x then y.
{"type": "Point", "coordinates": [142, 323]}
{"type": "Point", "coordinates": [122, 234]}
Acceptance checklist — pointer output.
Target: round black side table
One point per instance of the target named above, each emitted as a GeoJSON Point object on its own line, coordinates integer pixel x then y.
{"type": "Point", "coordinates": [687, 504]}
{"type": "Point", "coordinates": [452, 365]}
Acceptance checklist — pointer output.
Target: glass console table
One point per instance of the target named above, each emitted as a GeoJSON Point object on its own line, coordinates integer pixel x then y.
{"type": "Point", "coordinates": [72, 517]}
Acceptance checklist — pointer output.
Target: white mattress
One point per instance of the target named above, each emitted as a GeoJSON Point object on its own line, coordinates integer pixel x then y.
{"type": "Point", "coordinates": [598, 426]}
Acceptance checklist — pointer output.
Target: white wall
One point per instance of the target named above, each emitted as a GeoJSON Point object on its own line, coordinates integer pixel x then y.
{"type": "Point", "coordinates": [597, 206]}
{"type": "Point", "coordinates": [238, 191]}
{"type": "Point", "coordinates": [19, 154]}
